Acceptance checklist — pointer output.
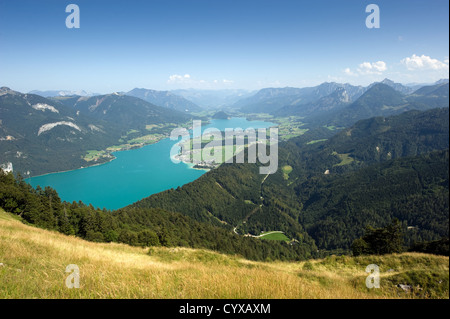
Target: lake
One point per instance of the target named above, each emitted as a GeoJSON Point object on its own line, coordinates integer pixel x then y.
{"type": "Point", "coordinates": [133, 175]}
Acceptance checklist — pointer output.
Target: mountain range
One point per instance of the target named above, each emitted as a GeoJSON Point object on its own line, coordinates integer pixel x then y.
{"type": "Point", "coordinates": [383, 100]}
{"type": "Point", "coordinates": [322, 198]}
{"type": "Point", "coordinates": [66, 127]}
{"type": "Point", "coordinates": [165, 99]}
{"type": "Point", "coordinates": [325, 97]}
{"type": "Point", "coordinates": [123, 110]}
{"type": "Point", "coordinates": [271, 99]}
{"type": "Point", "coordinates": [160, 98]}
{"type": "Point", "coordinates": [376, 170]}
{"type": "Point", "coordinates": [389, 161]}
{"type": "Point", "coordinates": [40, 135]}
{"type": "Point", "coordinates": [53, 93]}
{"type": "Point", "coordinates": [214, 99]}
{"type": "Point", "coordinates": [278, 101]}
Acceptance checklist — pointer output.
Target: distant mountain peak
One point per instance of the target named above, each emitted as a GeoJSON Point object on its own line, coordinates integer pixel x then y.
{"type": "Point", "coordinates": [55, 93]}
{"type": "Point", "coordinates": [396, 86]}
{"type": "Point", "coordinates": [6, 90]}
{"type": "Point", "coordinates": [164, 99]}
{"type": "Point", "coordinates": [387, 81]}
{"type": "Point", "coordinates": [380, 86]}
{"type": "Point", "coordinates": [442, 81]}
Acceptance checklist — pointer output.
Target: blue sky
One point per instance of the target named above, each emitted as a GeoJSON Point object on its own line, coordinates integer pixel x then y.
{"type": "Point", "coordinates": [218, 44]}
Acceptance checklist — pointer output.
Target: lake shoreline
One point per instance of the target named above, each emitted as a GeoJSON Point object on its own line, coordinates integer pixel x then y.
{"type": "Point", "coordinates": [71, 170]}
{"type": "Point", "coordinates": [131, 176]}
{"type": "Point", "coordinates": [98, 164]}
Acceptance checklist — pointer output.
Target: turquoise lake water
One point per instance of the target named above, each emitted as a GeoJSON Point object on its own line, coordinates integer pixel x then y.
{"type": "Point", "coordinates": [133, 175]}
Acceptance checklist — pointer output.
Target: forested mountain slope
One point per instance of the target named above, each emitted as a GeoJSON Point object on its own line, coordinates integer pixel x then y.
{"type": "Point", "coordinates": [165, 99]}
{"type": "Point", "coordinates": [292, 203]}
{"type": "Point", "coordinates": [324, 200]}
{"type": "Point", "coordinates": [39, 135]}
{"type": "Point", "coordinates": [135, 226]}
{"type": "Point", "coordinates": [383, 100]}
{"type": "Point", "coordinates": [123, 110]}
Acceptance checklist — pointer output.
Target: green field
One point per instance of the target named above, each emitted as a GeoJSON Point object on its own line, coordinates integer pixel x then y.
{"type": "Point", "coordinates": [222, 150]}
{"type": "Point", "coordinates": [345, 159]}
{"type": "Point", "coordinates": [132, 132]}
{"type": "Point", "coordinates": [146, 139]}
{"type": "Point", "coordinates": [287, 169]}
{"type": "Point", "coordinates": [94, 155]}
{"type": "Point", "coordinates": [161, 127]}
{"type": "Point", "coordinates": [333, 128]}
{"type": "Point", "coordinates": [288, 127]}
{"type": "Point", "coordinates": [316, 141]}
{"type": "Point", "coordinates": [330, 127]}
{"type": "Point", "coordinates": [275, 236]}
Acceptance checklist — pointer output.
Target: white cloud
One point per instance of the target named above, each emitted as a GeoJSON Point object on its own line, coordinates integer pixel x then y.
{"type": "Point", "coordinates": [372, 68]}
{"type": "Point", "coordinates": [414, 68]}
{"type": "Point", "coordinates": [178, 78]}
{"type": "Point", "coordinates": [349, 72]}
{"type": "Point", "coordinates": [367, 68]}
{"type": "Point", "coordinates": [188, 81]}
{"type": "Point", "coordinates": [424, 62]}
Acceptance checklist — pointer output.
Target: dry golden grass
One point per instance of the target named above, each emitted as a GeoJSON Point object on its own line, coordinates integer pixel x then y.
{"type": "Point", "coordinates": [35, 261]}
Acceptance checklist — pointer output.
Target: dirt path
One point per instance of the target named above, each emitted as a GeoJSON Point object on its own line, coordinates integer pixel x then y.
{"type": "Point", "coordinates": [253, 211]}
{"type": "Point", "coordinates": [225, 190]}
{"type": "Point", "coordinates": [262, 235]}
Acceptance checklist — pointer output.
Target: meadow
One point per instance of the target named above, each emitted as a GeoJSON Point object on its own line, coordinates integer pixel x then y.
{"type": "Point", "coordinates": [33, 263]}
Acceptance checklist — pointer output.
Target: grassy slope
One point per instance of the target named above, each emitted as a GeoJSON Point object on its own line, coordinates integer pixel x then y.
{"type": "Point", "coordinates": [275, 236]}
{"type": "Point", "coordinates": [35, 261]}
